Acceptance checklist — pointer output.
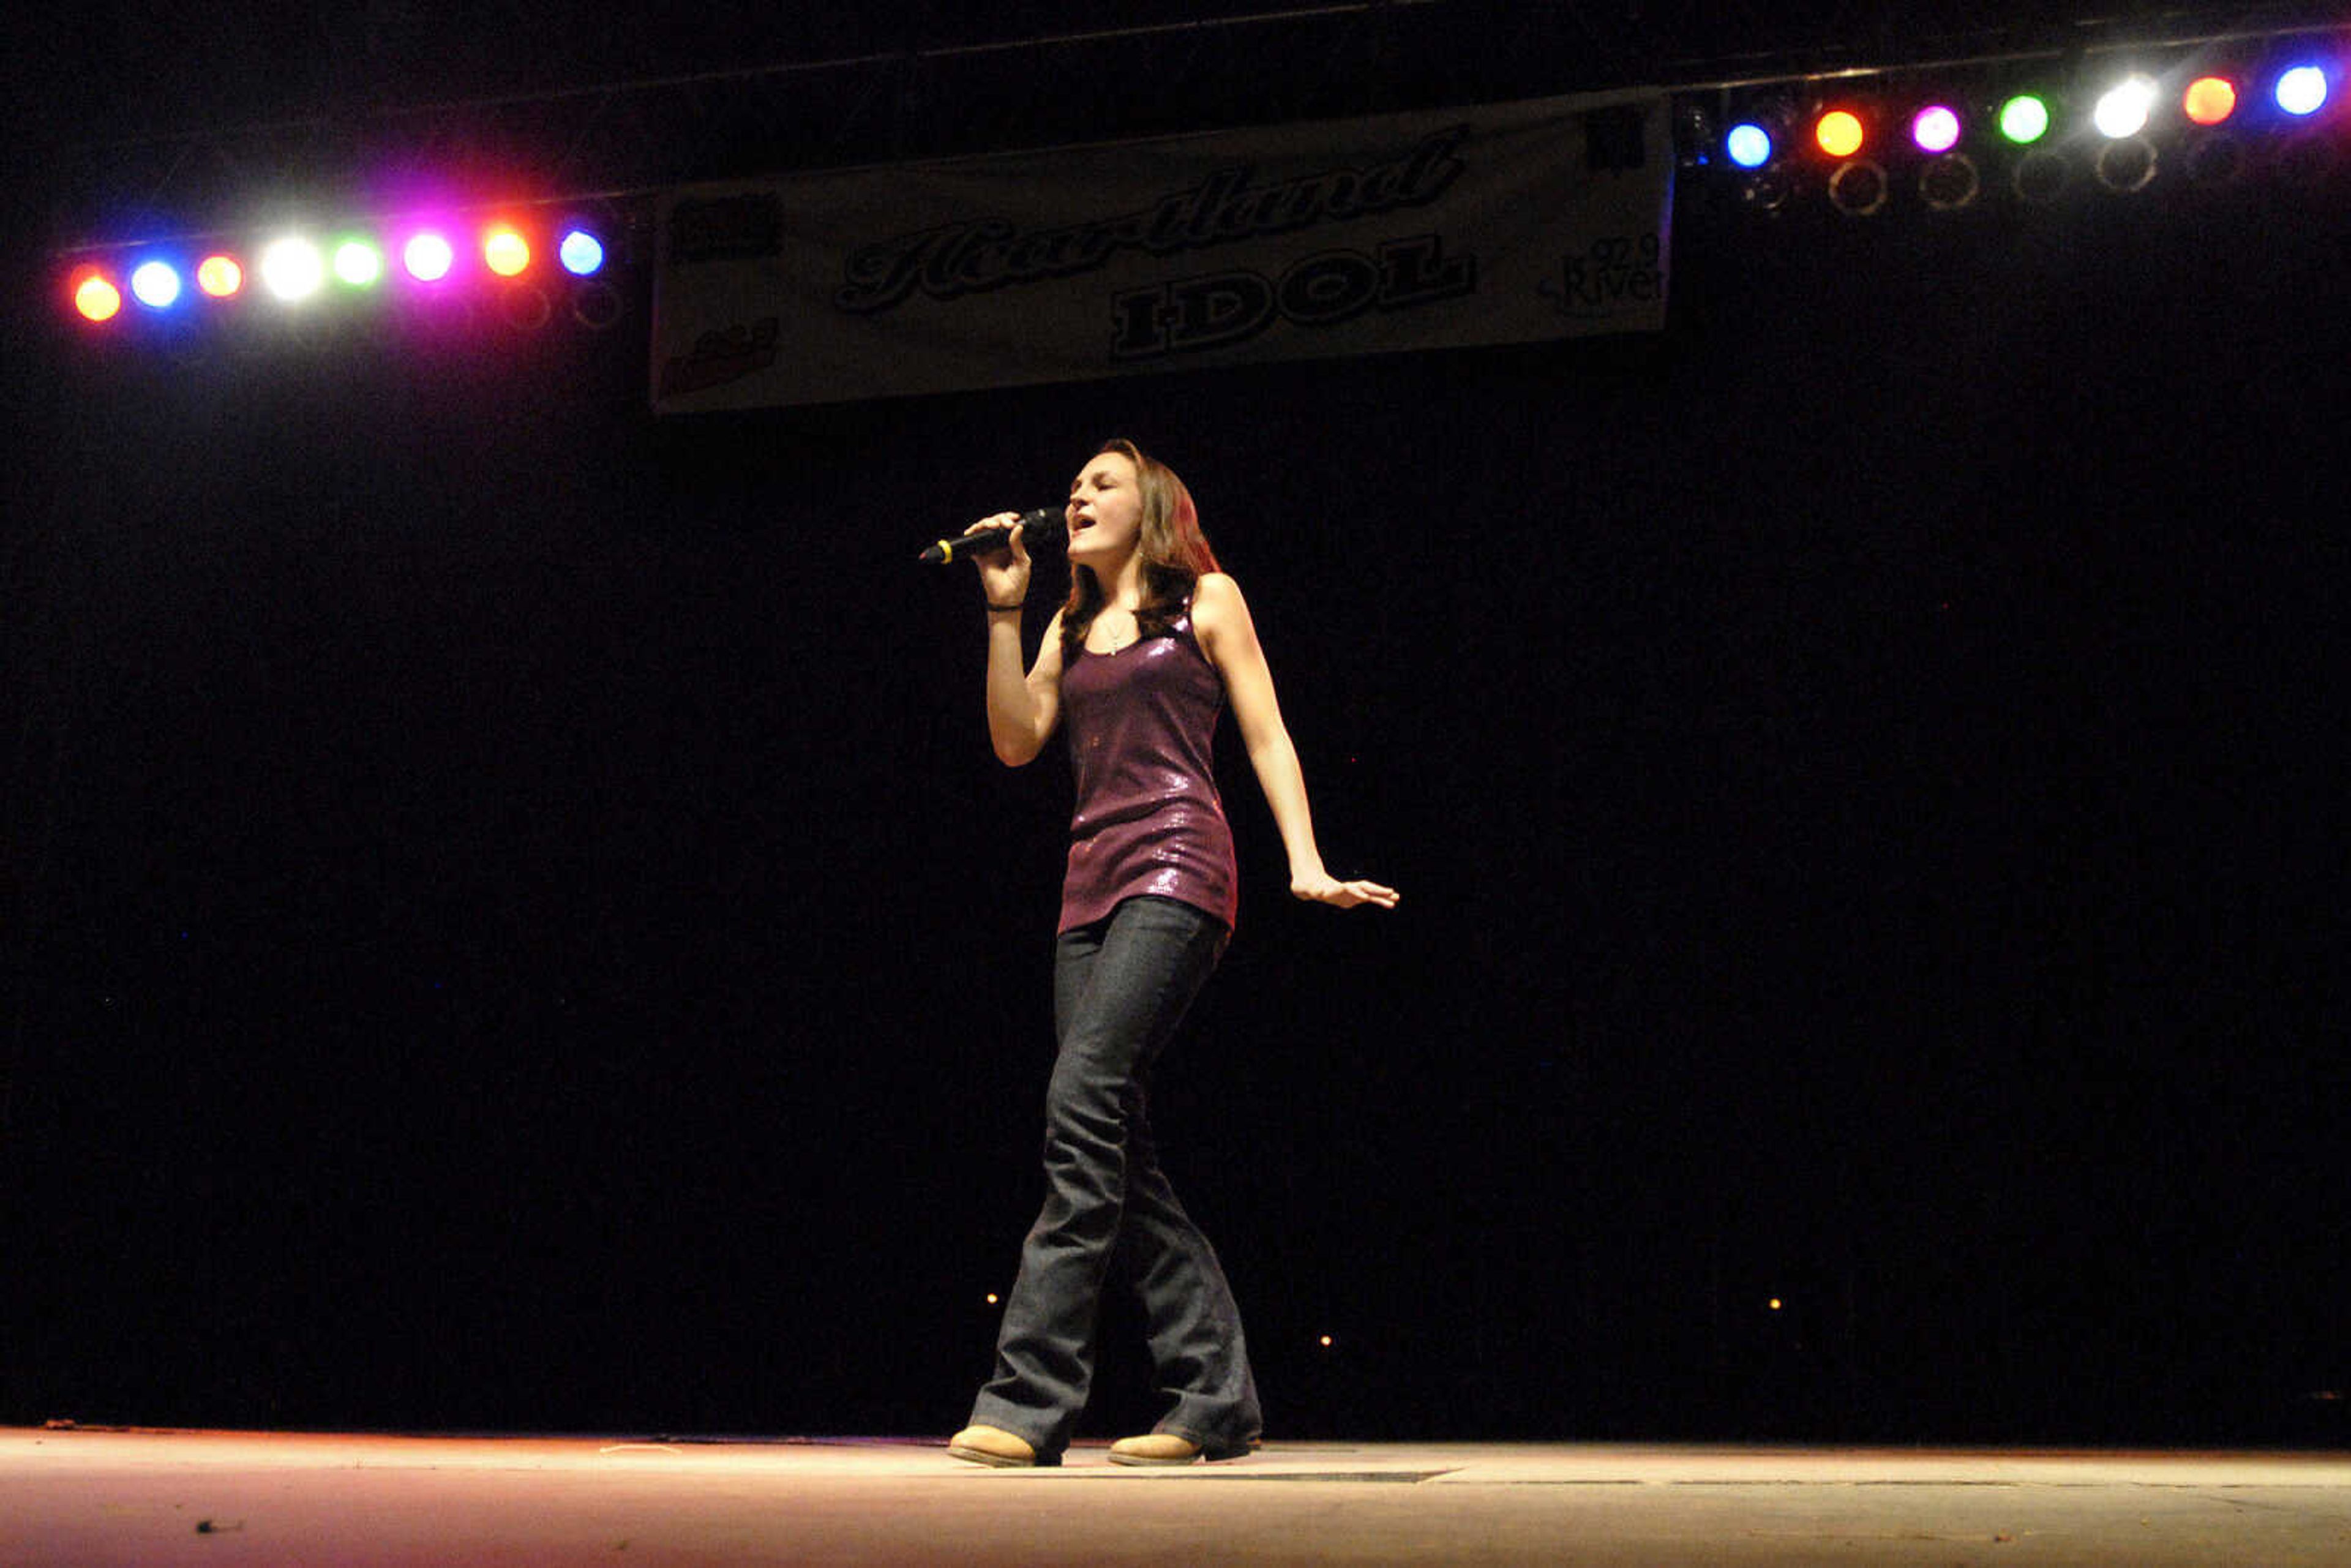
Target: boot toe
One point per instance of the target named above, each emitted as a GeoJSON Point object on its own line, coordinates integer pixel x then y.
{"type": "Point", "coordinates": [991, 1445]}
{"type": "Point", "coordinates": [1168, 1449]}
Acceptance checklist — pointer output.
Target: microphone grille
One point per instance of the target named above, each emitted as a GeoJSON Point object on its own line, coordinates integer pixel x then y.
{"type": "Point", "coordinates": [1044, 526]}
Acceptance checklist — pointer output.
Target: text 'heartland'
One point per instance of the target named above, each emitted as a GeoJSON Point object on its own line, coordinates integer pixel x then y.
{"type": "Point", "coordinates": [969, 257]}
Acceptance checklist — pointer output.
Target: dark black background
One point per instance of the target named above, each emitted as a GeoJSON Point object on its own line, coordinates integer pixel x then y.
{"type": "Point", "coordinates": [514, 922]}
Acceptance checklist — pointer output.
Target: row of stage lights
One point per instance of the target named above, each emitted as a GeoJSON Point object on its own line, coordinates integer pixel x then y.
{"type": "Point", "coordinates": [1768, 133]}
{"type": "Point", "coordinates": [170, 282]}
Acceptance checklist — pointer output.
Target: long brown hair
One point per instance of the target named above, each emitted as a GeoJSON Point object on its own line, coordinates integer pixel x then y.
{"type": "Point", "coordinates": [1176, 555]}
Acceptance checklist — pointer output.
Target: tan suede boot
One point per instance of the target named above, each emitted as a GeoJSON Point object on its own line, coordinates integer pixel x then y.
{"type": "Point", "coordinates": [1166, 1449]}
{"type": "Point", "coordinates": [991, 1445]}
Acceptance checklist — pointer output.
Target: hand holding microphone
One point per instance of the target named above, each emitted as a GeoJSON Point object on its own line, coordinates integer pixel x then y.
{"type": "Point", "coordinates": [997, 545]}
{"type": "Point", "coordinates": [1042, 527]}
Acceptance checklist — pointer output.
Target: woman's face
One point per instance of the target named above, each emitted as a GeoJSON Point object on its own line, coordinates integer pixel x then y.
{"type": "Point", "coordinates": [1105, 510]}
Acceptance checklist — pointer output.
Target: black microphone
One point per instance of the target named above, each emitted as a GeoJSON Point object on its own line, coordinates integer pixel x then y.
{"type": "Point", "coordinates": [1042, 527]}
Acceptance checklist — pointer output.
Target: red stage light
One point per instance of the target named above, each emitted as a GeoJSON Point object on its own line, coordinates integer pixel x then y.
{"type": "Point", "coordinates": [97, 297]}
{"type": "Point", "coordinates": [505, 252]}
{"type": "Point", "coordinates": [1839, 133]}
{"type": "Point", "coordinates": [2209, 100]}
{"type": "Point", "coordinates": [220, 276]}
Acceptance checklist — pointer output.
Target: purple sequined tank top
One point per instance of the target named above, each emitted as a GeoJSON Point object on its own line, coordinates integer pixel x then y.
{"type": "Point", "coordinates": [1142, 723]}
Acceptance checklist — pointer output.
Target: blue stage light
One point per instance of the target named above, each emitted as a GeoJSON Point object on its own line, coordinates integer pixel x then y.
{"type": "Point", "coordinates": [156, 285]}
{"type": "Point", "coordinates": [2303, 90]}
{"type": "Point", "coordinates": [1749, 145]}
{"type": "Point", "coordinates": [581, 253]}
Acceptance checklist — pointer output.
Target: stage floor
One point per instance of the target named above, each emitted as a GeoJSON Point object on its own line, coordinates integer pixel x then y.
{"type": "Point", "coordinates": [89, 1499]}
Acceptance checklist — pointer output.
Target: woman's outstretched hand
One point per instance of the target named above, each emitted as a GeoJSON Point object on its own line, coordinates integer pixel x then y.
{"type": "Point", "coordinates": [1322, 887]}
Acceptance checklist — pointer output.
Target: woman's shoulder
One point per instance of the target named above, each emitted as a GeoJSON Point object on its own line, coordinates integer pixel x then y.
{"type": "Point", "coordinates": [1217, 598]}
{"type": "Point", "coordinates": [1216, 592]}
{"type": "Point", "coordinates": [1218, 612]}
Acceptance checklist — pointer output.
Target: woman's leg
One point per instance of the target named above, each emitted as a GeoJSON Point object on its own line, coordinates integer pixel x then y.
{"type": "Point", "coordinates": [1195, 1328]}
{"type": "Point", "coordinates": [1120, 990]}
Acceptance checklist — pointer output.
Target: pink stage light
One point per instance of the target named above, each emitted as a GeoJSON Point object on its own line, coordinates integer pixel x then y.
{"type": "Point", "coordinates": [428, 257]}
{"type": "Point", "coordinates": [1935, 129]}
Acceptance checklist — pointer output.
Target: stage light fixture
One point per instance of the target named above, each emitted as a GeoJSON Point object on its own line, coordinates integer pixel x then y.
{"type": "Point", "coordinates": [2126, 165]}
{"type": "Point", "coordinates": [156, 285]}
{"type": "Point", "coordinates": [292, 270]}
{"type": "Point", "coordinates": [1766, 190]}
{"type": "Point", "coordinates": [1749, 145]}
{"type": "Point", "coordinates": [2024, 118]}
{"type": "Point", "coordinates": [2208, 100]}
{"type": "Point", "coordinates": [505, 252]}
{"type": "Point", "coordinates": [1935, 129]}
{"type": "Point", "coordinates": [1839, 133]}
{"type": "Point", "coordinates": [581, 254]}
{"type": "Point", "coordinates": [1950, 183]}
{"type": "Point", "coordinates": [1762, 126]}
{"type": "Point", "coordinates": [220, 276]}
{"type": "Point", "coordinates": [2302, 91]}
{"type": "Point", "coordinates": [2124, 109]}
{"type": "Point", "coordinates": [95, 295]}
{"type": "Point", "coordinates": [428, 257]}
{"type": "Point", "coordinates": [526, 307]}
{"type": "Point", "coordinates": [2214, 158]}
{"type": "Point", "coordinates": [1858, 188]}
{"type": "Point", "coordinates": [358, 264]}
{"type": "Point", "coordinates": [2041, 176]}
{"type": "Point", "coordinates": [598, 306]}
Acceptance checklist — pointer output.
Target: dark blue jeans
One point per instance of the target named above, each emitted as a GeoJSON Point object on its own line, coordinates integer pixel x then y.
{"type": "Point", "coordinates": [1120, 988]}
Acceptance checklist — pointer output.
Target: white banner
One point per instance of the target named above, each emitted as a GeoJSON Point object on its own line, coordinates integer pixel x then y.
{"type": "Point", "coordinates": [1509, 223]}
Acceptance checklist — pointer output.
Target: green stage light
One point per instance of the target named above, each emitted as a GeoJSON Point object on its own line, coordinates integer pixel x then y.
{"type": "Point", "coordinates": [2024, 118]}
{"type": "Point", "coordinates": [358, 263]}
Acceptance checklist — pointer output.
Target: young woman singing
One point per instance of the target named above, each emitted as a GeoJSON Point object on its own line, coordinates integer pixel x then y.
{"type": "Point", "coordinates": [1135, 665]}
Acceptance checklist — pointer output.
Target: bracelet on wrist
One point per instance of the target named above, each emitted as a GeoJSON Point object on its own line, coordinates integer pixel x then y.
{"type": "Point", "coordinates": [1014, 605]}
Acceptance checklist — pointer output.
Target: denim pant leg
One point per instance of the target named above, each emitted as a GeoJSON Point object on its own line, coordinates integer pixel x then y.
{"type": "Point", "coordinates": [1121, 988]}
{"type": "Point", "coordinates": [1193, 1327]}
